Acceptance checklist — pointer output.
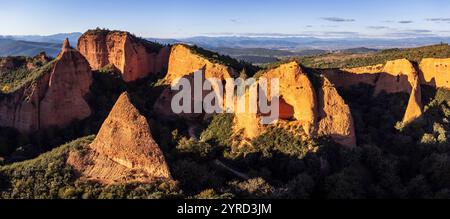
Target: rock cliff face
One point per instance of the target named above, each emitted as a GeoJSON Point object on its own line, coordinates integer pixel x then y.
{"type": "Point", "coordinates": [183, 63]}
{"type": "Point", "coordinates": [54, 98]}
{"type": "Point", "coordinates": [135, 58]}
{"type": "Point", "coordinates": [123, 151]}
{"type": "Point", "coordinates": [396, 77]}
{"type": "Point", "coordinates": [435, 72]}
{"type": "Point", "coordinates": [317, 113]}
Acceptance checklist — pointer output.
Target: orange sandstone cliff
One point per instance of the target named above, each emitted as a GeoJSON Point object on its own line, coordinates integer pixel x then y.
{"type": "Point", "coordinates": [184, 61]}
{"type": "Point", "coordinates": [435, 72]}
{"type": "Point", "coordinates": [397, 76]}
{"type": "Point", "coordinates": [124, 150]}
{"type": "Point", "coordinates": [54, 98]}
{"type": "Point", "coordinates": [322, 113]}
{"type": "Point", "coordinates": [135, 58]}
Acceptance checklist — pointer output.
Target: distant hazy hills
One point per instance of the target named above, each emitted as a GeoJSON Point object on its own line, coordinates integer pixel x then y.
{"type": "Point", "coordinates": [251, 49]}
{"type": "Point", "coordinates": [304, 43]}
{"type": "Point", "coordinates": [31, 45]}
{"type": "Point", "coordinates": [9, 47]}
{"type": "Point", "coordinates": [55, 38]}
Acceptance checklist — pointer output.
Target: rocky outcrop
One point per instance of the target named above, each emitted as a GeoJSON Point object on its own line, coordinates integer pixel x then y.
{"type": "Point", "coordinates": [297, 90]}
{"type": "Point", "coordinates": [435, 72]}
{"type": "Point", "coordinates": [124, 150]}
{"type": "Point", "coordinates": [318, 113]}
{"type": "Point", "coordinates": [53, 97]}
{"type": "Point", "coordinates": [414, 109]}
{"type": "Point", "coordinates": [335, 118]}
{"type": "Point", "coordinates": [135, 58]}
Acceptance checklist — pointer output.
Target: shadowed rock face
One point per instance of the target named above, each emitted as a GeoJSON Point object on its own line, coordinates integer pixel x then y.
{"type": "Point", "coordinates": [335, 116]}
{"type": "Point", "coordinates": [397, 76]}
{"type": "Point", "coordinates": [318, 114]}
{"type": "Point", "coordinates": [124, 150]}
{"type": "Point", "coordinates": [435, 72]}
{"type": "Point", "coordinates": [54, 99]}
{"type": "Point", "coordinates": [354, 76]}
{"type": "Point", "coordinates": [131, 56]}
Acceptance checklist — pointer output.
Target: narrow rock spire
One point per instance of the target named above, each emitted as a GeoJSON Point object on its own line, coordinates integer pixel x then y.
{"type": "Point", "coordinates": [66, 45]}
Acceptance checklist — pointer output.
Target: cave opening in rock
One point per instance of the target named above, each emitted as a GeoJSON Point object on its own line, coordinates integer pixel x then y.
{"type": "Point", "coordinates": [286, 110]}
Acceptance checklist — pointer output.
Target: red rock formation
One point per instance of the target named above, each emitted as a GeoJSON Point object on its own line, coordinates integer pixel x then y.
{"type": "Point", "coordinates": [123, 151]}
{"type": "Point", "coordinates": [134, 57]}
{"type": "Point", "coordinates": [55, 97]}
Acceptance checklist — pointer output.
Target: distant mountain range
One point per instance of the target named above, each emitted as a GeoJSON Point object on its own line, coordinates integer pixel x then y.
{"type": "Point", "coordinates": [304, 43]}
{"type": "Point", "coordinates": [10, 47]}
{"type": "Point", "coordinates": [252, 49]}
{"type": "Point", "coordinates": [30, 45]}
{"type": "Point", "coordinates": [55, 38]}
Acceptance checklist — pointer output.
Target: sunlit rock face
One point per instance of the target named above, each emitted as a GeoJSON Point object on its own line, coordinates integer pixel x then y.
{"type": "Point", "coordinates": [435, 72]}
{"type": "Point", "coordinates": [318, 111]}
{"type": "Point", "coordinates": [123, 151]}
{"type": "Point", "coordinates": [135, 58]}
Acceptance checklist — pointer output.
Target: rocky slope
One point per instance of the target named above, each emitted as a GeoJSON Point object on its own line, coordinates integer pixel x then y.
{"type": "Point", "coordinates": [52, 95]}
{"type": "Point", "coordinates": [123, 151]}
{"type": "Point", "coordinates": [135, 58]}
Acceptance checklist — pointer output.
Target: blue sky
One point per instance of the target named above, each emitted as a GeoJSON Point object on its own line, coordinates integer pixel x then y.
{"type": "Point", "coordinates": [178, 18]}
